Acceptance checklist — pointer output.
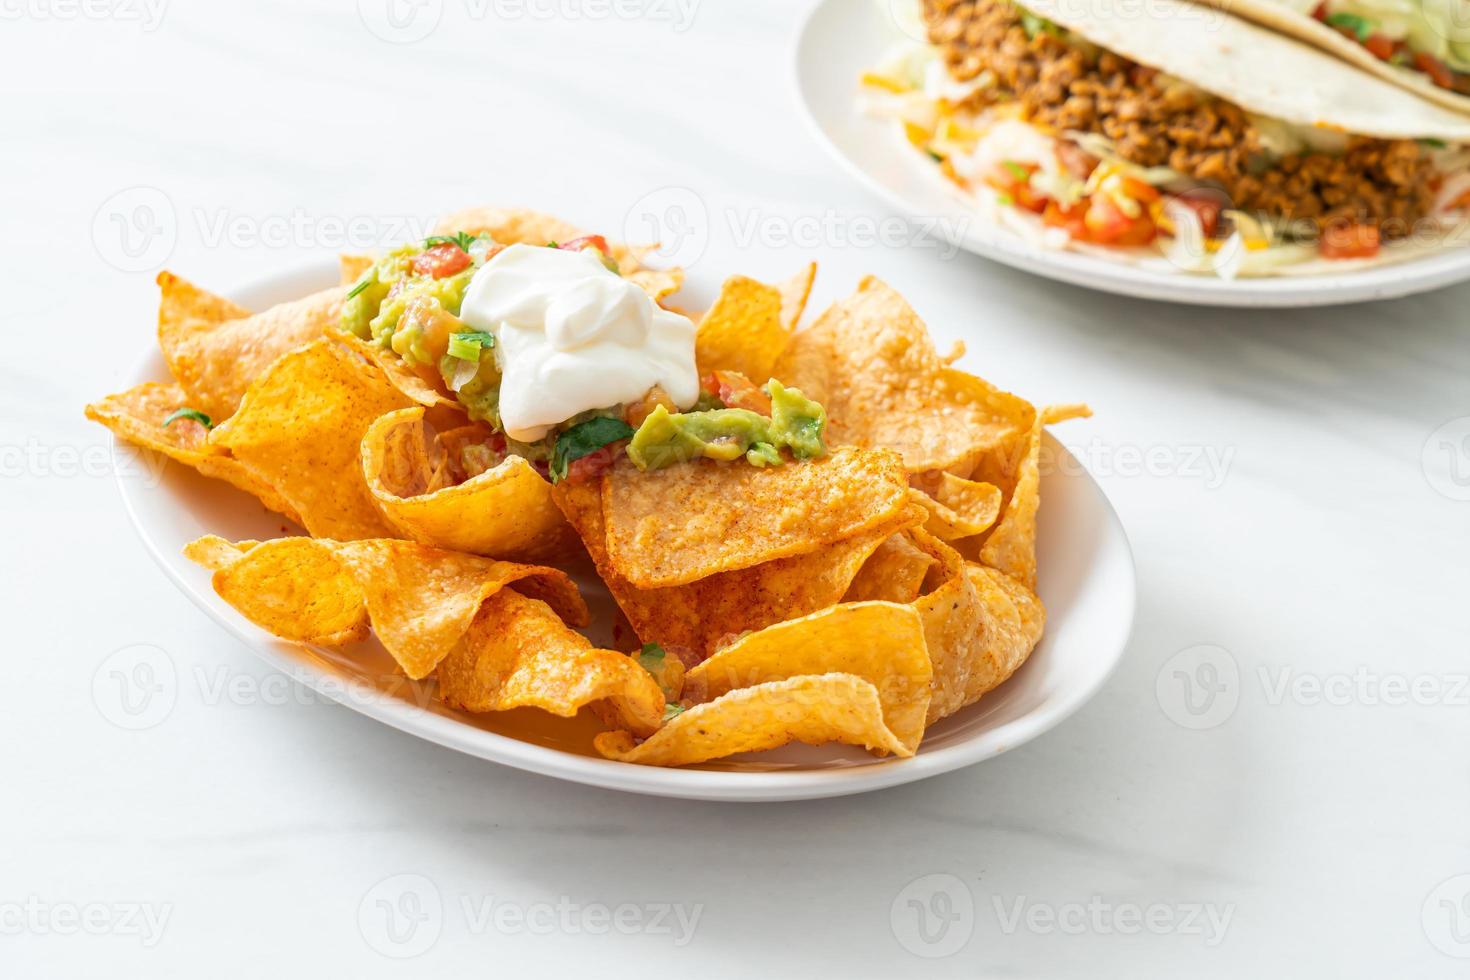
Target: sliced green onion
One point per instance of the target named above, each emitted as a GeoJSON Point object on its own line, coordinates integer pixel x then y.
{"type": "Point", "coordinates": [189, 413]}
{"type": "Point", "coordinates": [463, 239]}
{"type": "Point", "coordinates": [1016, 170]}
{"type": "Point", "coordinates": [467, 346]}
{"type": "Point", "coordinates": [672, 711]}
{"type": "Point", "coordinates": [1359, 25]}
{"type": "Point", "coordinates": [367, 280]}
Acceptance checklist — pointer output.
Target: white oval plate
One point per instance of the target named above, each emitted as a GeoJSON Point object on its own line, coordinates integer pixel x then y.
{"type": "Point", "coordinates": [840, 39]}
{"type": "Point", "coordinates": [1087, 583]}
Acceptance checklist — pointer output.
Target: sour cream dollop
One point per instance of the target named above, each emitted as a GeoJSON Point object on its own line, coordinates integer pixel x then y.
{"type": "Point", "coordinates": [571, 336]}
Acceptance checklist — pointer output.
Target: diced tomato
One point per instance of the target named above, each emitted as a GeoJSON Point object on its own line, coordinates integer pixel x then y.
{"type": "Point", "coordinates": [1321, 12]}
{"type": "Point", "coordinates": [1107, 224]}
{"type": "Point", "coordinates": [635, 412]}
{"type": "Point", "coordinates": [586, 241]}
{"type": "Point", "coordinates": [591, 466]}
{"type": "Point", "coordinates": [1207, 205]}
{"type": "Point", "coordinates": [1349, 242]}
{"type": "Point", "coordinates": [1380, 47]}
{"type": "Point", "coordinates": [735, 390]}
{"type": "Point", "coordinates": [1014, 181]}
{"type": "Point", "coordinates": [1077, 161]}
{"type": "Point", "coordinates": [441, 260]}
{"type": "Point", "coordinates": [1071, 219]}
{"type": "Point", "coordinates": [1437, 70]}
{"type": "Point", "coordinates": [1140, 231]}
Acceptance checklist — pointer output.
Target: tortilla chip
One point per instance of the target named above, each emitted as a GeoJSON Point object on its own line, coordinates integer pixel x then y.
{"type": "Point", "coordinates": [881, 642]}
{"type": "Point", "coordinates": [743, 331]}
{"type": "Point", "coordinates": [693, 520]}
{"type": "Point", "coordinates": [216, 350]}
{"type": "Point", "coordinates": [870, 362]}
{"type": "Point", "coordinates": [958, 508]}
{"type": "Point", "coordinates": [419, 601]}
{"type": "Point", "coordinates": [518, 653]}
{"type": "Point", "coordinates": [794, 294]}
{"type": "Point", "coordinates": [701, 616]}
{"type": "Point", "coordinates": [515, 226]}
{"type": "Point", "coordinates": [815, 710]}
{"type": "Point", "coordinates": [351, 267]}
{"type": "Point", "coordinates": [894, 573]}
{"type": "Point", "coordinates": [657, 283]}
{"type": "Point", "coordinates": [954, 618]}
{"type": "Point", "coordinates": [299, 430]}
{"type": "Point", "coordinates": [506, 512]}
{"type": "Point", "coordinates": [1013, 624]}
{"type": "Point", "coordinates": [444, 411]}
{"type": "Point", "coordinates": [138, 415]}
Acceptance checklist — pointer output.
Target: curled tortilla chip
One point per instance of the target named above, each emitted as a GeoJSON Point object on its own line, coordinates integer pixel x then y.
{"type": "Point", "coordinates": [953, 618]}
{"type": "Point", "coordinates": [419, 601]}
{"type": "Point", "coordinates": [794, 294]}
{"type": "Point", "coordinates": [881, 642]}
{"type": "Point", "coordinates": [216, 350]}
{"type": "Point", "coordinates": [518, 653]}
{"type": "Point", "coordinates": [701, 616]}
{"type": "Point", "coordinates": [444, 411]}
{"type": "Point", "coordinates": [870, 362]}
{"type": "Point", "coordinates": [894, 573]}
{"type": "Point", "coordinates": [692, 520]}
{"type": "Point", "coordinates": [138, 415]}
{"type": "Point", "coordinates": [1013, 623]}
{"type": "Point", "coordinates": [299, 430]}
{"type": "Point", "coordinates": [743, 331]}
{"type": "Point", "coordinates": [958, 508]}
{"type": "Point", "coordinates": [506, 512]}
{"type": "Point", "coordinates": [815, 710]}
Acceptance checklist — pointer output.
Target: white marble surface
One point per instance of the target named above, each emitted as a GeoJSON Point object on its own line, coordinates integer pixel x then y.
{"type": "Point", "coordinates": [1277, 472]}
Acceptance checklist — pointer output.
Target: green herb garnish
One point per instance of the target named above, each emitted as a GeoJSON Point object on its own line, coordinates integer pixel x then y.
{"type": "Point", "coordinates": [189, 413]}
{"type": "Point", "coordinates": [651, 657]}
{"type": "Point", "coordinates": [1016, 170]}
{"type": "Point", "coordinates": [463, 239]}
{"type": "Point", "coordinates": [367, 280]}
{"type": "Point", "coordinates": [1359, 25]}
{"type": "Point", "coordinates": [583, 439]}
{"type": "Point", "coordinates": [467, 345]}
{"type": "Point", "coordinates": [672, 711]}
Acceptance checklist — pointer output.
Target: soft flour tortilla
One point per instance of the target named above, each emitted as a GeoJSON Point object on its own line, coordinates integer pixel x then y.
{"type": "Point", "coordinates": [1287, 17]}
{"type": "Point", "coordinates": [1258, 69]}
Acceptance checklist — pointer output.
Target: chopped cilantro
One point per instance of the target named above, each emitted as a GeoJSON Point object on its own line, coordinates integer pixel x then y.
{"type": "Point", "coordinates": [189, 413]}
{"type": "Point", "coordinates": [466, 346]}
{"type": "Point", "coordinates": [463, 239]}
{"type": "Point", "coordinates": [672, 711]}
{"type": "Point", "coordinates": [651, 657]}
{"type": "Point", "coordinates": [1361, 26]}
{"type": "Point", "coordinates": [583, 439]}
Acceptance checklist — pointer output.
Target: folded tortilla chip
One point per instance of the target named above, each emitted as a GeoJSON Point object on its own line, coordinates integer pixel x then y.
{"type": "Point", "coordinates": [699, 617]}
{"type": "Point", "coordinates": [215, 349]}
{"type": "Point", "coordinates": [894, 573]}
{"type": "Point", "coordinates": [692, 520]}
{"type": "Point", "coordinates": [1013, 623]}
{"type": "Point", "coordinates": [957, 508]}
{"type": "Point", "coordinates": [743, 331]}
{"type": "Point", "coordinates": [518, 653]}
{"type": "Point", "coordinates": [881, 642]}
{"type": "Point", "coordinates": [138, 415]}
{"type": "Point", "coordinates": [869, 360]}
{"type": "Point", "coordinates": [419, 601]}
{"type": "Point", "coordinates": [794, 294]}
{"type": "Point", "coordinates": [299, 430]}
{"type": "Point", "coordinates": [815, 710]}
{"type": "Point", "coordinates": [506, 512]}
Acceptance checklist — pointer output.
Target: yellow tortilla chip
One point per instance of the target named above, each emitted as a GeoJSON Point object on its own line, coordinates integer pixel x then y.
{"type": "Point", "coordinates": [953, 618]}
{"type": "Point", "coordinates": [215, 349]}
{"type": "Point", "coordinates": [299, 430]}
{"type": "Point", "coordinates": [443, 411]}
{"type": "Point", "coordinates": [1013, 623]}
{"type": "Point", "coordinates": [514, 226]}
{"type": "Point", "coordinates": [518, 653]}
{"type": "Point", "coordinates": [894, 573]}
{"type": "Point", "coordinates": [702, 616]}
{"type": "Point", "coordinates": [692, 520]}
{"type": "Point", "coordinates": [506, 512]}
{"type": "Point", "coordinates": [794, 294]}
{"type": "Point", "coordinates": [419, 601]}
{"type": "Point", "coordinates": [657, 283]}
{"type": "Point", "coordinates": [815, 710]}
{"type": "Point", "coordinates": [958, 508]}
{"type": "Point", "coordinates": [881, 642]}
{"type": "Point", "coordinates": [870, 362]}
{"type": "Point", "coordinates": [138, 415]}
{"type": "Point", "coordinates": [743, 331]}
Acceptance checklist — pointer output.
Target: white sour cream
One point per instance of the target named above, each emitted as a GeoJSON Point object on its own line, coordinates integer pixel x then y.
{"type": "Point", "coordinates": [571, 335]}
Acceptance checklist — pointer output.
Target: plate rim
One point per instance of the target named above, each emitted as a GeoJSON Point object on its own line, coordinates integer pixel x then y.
{"type": "Point", "coordinates": [1386, 282]}
{"type": "Point", "coordinates": [694, 784]}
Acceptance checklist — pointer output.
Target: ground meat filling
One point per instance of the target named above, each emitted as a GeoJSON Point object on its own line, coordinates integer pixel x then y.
{"type": "Point", "coordinates": [1152, 122]}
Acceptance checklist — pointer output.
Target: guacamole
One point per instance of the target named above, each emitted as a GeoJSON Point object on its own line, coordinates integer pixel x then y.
{"type": "Point", "coordinates": [796, 423]}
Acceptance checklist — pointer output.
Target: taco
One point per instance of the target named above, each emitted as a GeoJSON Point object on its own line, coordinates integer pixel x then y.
{"type": "Point", "coordinates": [1421, 45]}
{"type": "Point", "coordinates": [1176, 135]}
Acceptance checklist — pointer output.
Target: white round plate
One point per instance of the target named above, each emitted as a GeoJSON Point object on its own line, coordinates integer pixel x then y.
{"type": "Point", "coordinates": [1087, 583]}
{"type": "Point", "coordinates": [841, 39]}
